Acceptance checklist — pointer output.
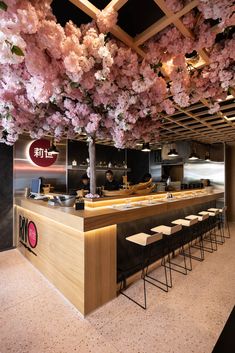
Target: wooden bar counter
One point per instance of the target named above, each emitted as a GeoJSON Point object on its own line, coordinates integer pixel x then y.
{"type": "Point", "coordinates": [77, 250]}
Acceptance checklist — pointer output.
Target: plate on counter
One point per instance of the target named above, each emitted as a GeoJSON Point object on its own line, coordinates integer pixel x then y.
{"type": "Point", "coordinates": [124, 207]}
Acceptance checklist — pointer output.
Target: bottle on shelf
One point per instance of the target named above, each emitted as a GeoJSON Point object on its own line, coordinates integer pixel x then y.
{"type": "Point", "coordinates": [168, 181]}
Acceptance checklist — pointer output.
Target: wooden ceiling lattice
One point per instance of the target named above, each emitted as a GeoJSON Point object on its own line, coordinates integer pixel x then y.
{"type": "Point", "coordinates": [193, 122]}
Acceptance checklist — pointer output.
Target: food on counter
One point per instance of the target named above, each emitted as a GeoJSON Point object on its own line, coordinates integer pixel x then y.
{"type": "Point", "coordinates": [145, 191]}
{"type": "Point", "coordinates": [137, 189]}
{"type": "Point", "coordinates": [141, 186]}
{"type": "Point", "coordinates": [122, 192]}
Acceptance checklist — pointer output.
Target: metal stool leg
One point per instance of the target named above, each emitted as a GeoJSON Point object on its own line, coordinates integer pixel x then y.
{"type": "Point", "coordinates": [122, 288]}
{"type": "Point", "coordinates": [226, 225]}
{"type": "Point", "coordinates": [207, 238]}
{"type": "Point", "coordinates": [214, 233]}
{"type": "Point", "coordinates": [192, 246]}
{"type": "Point", "coordinates": [172, 264]}
{"type": "Point", "coordinates": [165, 284]}
{"type": "Point", "coordinates": [143, 274]}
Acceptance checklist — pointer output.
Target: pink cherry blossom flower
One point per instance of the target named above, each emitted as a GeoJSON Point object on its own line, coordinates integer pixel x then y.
{"type": "Point", "coordinates": [106, 19]}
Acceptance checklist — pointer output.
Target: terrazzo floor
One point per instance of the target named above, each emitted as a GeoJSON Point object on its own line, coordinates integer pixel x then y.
{"type": "Point", "coordinates": [36, 318]}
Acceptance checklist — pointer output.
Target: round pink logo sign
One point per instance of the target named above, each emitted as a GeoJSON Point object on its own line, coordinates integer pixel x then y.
{"type": "Point", "coordinates": [32, 235]}
{"type": "Point", "coordinates": [39, 155]}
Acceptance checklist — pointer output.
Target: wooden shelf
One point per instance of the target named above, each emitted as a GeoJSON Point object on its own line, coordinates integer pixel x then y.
{"type": "Point", "coordinates": [98, 169]}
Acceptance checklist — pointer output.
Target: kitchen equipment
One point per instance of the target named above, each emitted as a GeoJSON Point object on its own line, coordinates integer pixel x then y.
{"type": "Point", "coordinates": [66, 200]}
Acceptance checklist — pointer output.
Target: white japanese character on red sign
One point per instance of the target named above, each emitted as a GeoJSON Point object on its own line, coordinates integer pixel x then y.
{"type": "Point", "coordinates": [42, 153]}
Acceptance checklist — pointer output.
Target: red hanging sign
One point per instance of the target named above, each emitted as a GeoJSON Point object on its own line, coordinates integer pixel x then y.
{"type": "Point", "coordinates": [39, 155]}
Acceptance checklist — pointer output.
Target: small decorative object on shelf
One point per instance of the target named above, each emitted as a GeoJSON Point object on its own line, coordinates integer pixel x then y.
{"type": "Point", "coordinates": [98, 168]}
{"type": "Point", "coordinates": [99, 190]}
{"type": "Point", "coordinates": [125, 182]}
{"type": "Point", "coordinates": [110, 165]}
{"type": "Point", "coordinates": [74, 163]}
{"type": "Point", "coordinates": [92, 196]}
{"type": "Point", "coordinates": [169, 195]}
{"type": "Point", "coordinates": [80, 204]}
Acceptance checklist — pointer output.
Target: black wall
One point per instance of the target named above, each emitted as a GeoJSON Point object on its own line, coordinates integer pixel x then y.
{"type": "Point", "coordinates": [136, 160]}
{"type": "Point", "coordinates": [6, 197]}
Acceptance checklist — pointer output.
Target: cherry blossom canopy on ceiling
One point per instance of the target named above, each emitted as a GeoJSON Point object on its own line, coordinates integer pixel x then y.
{"type": "Point", "coordinates": [68, 80]}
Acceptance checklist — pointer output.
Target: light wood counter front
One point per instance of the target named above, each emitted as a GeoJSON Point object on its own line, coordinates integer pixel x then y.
{"type": "Point", "coordinates": [76, 250]}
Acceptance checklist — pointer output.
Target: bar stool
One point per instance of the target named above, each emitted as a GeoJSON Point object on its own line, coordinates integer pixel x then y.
{"type": "Point", "coordinates": [223, 219]}
{"type": "Point", "coordinates": [217, 224]}
{"type": "Point", "coordinates": [167, 231]}
{"type": "Point", "coordinates": [187, 225]}
{"type": "Point", "coordinates": [209, 227]}
{"type": "Point", "coordinates": [199, 233]}
{"type": "Point", "coordinates": [170, 232]}
{"type": "Point", "coordinates": [146, 242]}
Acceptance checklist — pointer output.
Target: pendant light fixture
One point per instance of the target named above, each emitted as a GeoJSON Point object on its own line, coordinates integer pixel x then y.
{"type": "Point", "coordinates": [208, 155]}
{"type": "Point", "coordinates": [173, 152]}
{"type": "Point", "coordinates": [146, 147]}
{"type": "Point", "coordinates": [53, 149]}
{"type": "Point", "coordinates": [193, 156]}
{"type": "Point", "coordinates": [192, 58]}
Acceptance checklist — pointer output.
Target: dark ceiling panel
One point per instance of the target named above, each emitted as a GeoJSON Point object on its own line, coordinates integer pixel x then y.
{"type": "Point", "coordinates": [137, 15]}
{"type": "Point", "coordinates": [100, 4]}
{"type": "Point", "coordinates": [69, 12]}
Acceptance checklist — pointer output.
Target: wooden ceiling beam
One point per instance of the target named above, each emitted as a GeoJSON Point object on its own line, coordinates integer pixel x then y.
{"type": "Point", "coordinates": [220, 113]}
{"type": "Point", "coordinates": [181, 27]}
{"type": "Point", "coordinates": [162, 23]}
{"type": "Point", "coordinates": [92, 11]}
{"type": "Point", "coordinates": [186, 127]}
{"type": "Point", "coordinates": [119, 33]}
{"type": "Point", "coordinates": [87, 7]}
{"type": "Point", "coordinates": [197, 119]}
{"type": "Point", "coordinates": [116, 4]}
{"type": "Point", "coordinates": [152, 30]}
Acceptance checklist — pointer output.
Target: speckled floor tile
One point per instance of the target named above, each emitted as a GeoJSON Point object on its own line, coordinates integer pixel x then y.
{"type": "Point", "coordinates": [36, 318]}
{"type": "Point", "coordinates": [39, 323]}
{"type": "Point", "coordinates": [19, 280]}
